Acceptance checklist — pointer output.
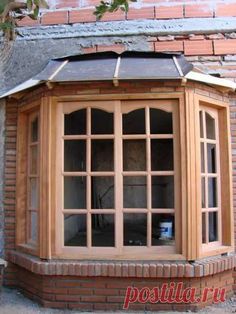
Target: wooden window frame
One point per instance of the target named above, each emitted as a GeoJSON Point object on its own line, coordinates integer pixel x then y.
{"type": "Point", "coordinates": [206, 175]}
{"type": "Point", "coordinates": [118, 108]}
{"type": "Point", "coordinates": [225, 242]}
{"type": "Point", "coordinates": [43, 247]}
{"type": "Point", "coordinates": [189, 246]}
{"type": "Point", "coordinates": [30, 144]}
{"type": "Point", "coordinates": [23, 210]}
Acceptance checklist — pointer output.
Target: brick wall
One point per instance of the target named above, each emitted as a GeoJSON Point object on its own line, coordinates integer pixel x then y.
{"type": "Point", "coordinates": [213, 52]}
{"type": "Point", "coordinates": [2, 154]}
{"type": "Point", "coordinates": [10, 186]}
{"type": "Point", "coordinates": [76, 11]}
{"type": "Point", "coordinates": [107, 293]}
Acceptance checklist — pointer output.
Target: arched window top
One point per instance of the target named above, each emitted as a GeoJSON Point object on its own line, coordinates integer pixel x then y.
{"type": "Point", "coordinates": [159, 121]}
{"type": "Point", "coordinates": [88, 120]}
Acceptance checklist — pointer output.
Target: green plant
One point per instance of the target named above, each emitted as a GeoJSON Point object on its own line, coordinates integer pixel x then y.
{"type": "Point", "coordinates": [12, 11]}
{"type": "Point", "coordinates": [112, 6]}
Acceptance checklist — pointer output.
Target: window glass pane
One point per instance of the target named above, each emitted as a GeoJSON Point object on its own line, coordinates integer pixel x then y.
{"type": "Point", "coordinates": [75, 123]}
{"type": "Point", "coordinates": [34, 226]}
{"type": "Point", "coordinates": [75, 192]}
{"type": "Point", "coordinates": [202, 158]}
{"type": "Point", "coordinates": [203, 193]}
{"type": "Point", "coordinates": [75, 230]}
{"type": "Point", "coordinates": [34, 130]}
{"type": "Point", "coordinates": [210, 127]}
{"type": "Point", "coordinates": [103, 230]}
{"type": "Point", "coordinates": [160, 122]}
{"type": "Point", "coordinates": [33, 193]}
{"type": "Point", "coordinates": [102, 155]}
{"type": "Point", "coordinates": [134, 155]}
{"type": "Point", "coordinates": [102, 122]}
{"type": "Point", "coordinates": [213, 230]}
{"type": "Point", "coordinates": [211, 158]}
{"type": "Point", "coordinates": [162, 155]}
{"type": "Point", "coordinates": [135, 192]}
{"type": "Point", "coordinates": [134, 122]}
{"type": "Point", "coordinates": [163, 232]}
{"type": "Point", "coordinates": [103, 192]}
{"type": "Point", "coordinates": [212, 192]}
{"type": "Point", "coordinates": [33, 159]}
{"type": "Point", "coordinates": [162, 192]}
{"type": "Point", "coordinates": [201, 124]}
{"type": "Point", "coordinates": [135, 229]}
{"type": "Point", "coordinates": [203, 227]}
{"type": "Point", "coordinates": [74, 155]}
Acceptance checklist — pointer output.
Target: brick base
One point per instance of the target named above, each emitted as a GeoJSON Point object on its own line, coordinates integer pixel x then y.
{"type": "Point", "coordinates": [106, 293]}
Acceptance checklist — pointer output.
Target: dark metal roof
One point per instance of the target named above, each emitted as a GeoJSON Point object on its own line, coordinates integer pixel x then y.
{"type": "Point", "coordinates": [110, 66]}
{"type": "Point", "coordinates": [129, 65]}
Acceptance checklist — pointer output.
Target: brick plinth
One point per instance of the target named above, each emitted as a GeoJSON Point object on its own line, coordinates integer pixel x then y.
{"type": "Point", "coordinates": [108, 293]}
{"type": "Point", "coordinates": [101, 285]}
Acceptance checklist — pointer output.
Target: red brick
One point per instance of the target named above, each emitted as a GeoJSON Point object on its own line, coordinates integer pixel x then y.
{"type": "Point", "coordinates": [166, 270]}
{"type": "Point", "coordinates": [106, 292]}
{"type": "Point", "coordinates": [198, 10]}
{"type": "Point", "coordinates": [80, 306]}
{"type": "Point", "coordinates": [59, 17]}
{"type": "Point", "coordinates": [119, 48]}
{"type": "Point", "coordinates": [225, 9]}
{"type": "Point", "coordinates": [198, 47]}
{"type": "Point", "coordinates": [139, 270]}
{"type": "Point", "coordinates": [114, 16]}
{"type": "Point", "coordinates": [51, 304]}
{"type": "Point", "coordinates": [169, 46]}
{"type": "Point", "coordinates": [79, 291]}
{"type": "Point", "coordinates": [222, 47]}
{"type": "Point", "coordinates": [138, 14]}
{"type": "Point", "coordinates": [181, 269]}
{"type": "Point", "coordinates": [153, 270]}
{"type": "Point", "coordinates": [26, 21]}
{"type": "Point", "coordinates": [81, 16]}
{"type": "Point", "coordinates": [173, 270]}
{"type": "Point", "coordinates": [93, 298]}
{"type": "Point", "coordinates": [106, 307]}
{"type": "Point", "coordinates": [131, 270]}
{"type": "Point", "coordinates": [115, 299]}
{"type": "Point", "coordinates": [93, 284]}
{"type": "Point", "coordinates": [125, 270]}
{"type": "Point", "coordinates": [169, 12]}
{"type": "Point", "coordinates": [89, 50]}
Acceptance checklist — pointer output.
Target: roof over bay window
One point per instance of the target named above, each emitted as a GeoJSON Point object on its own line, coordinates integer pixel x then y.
{"type": "Point", "coordinates": [110, 66]}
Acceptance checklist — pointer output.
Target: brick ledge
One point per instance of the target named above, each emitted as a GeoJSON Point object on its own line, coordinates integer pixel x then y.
{"type": "Point", "coordinates": [152, 269]}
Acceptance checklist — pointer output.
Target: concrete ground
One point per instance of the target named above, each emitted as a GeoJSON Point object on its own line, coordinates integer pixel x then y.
{"type": "Point", "coordinates": [13, 302]}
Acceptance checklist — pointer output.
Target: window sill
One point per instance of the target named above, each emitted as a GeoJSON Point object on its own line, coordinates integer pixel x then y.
{"type": "Point", "coordinates": [147, 269]}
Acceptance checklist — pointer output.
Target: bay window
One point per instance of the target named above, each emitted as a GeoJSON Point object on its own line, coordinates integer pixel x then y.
{"type": "Point", "coordinates": [118, 175]}
{"type": "Point", "coordinates": [147, 178]}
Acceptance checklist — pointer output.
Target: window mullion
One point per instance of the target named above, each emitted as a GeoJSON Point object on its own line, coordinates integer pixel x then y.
{"type": "Point", "coordinates": [88, 190]}
{"type": "Point", "coordinates": [118, 159]}
{"type": "Point", "coordinates": [206, 177]}
{"type": "Point", "coordinates": [149, 179]}
{"type": "Point", "coordinates": [218, 185]}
